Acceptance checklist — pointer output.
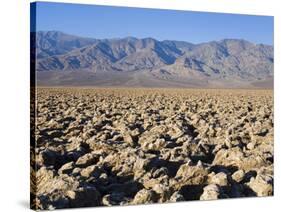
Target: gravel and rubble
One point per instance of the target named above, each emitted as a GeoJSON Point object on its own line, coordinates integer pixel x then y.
{"type": "Point", "coordinates": [115, 146]}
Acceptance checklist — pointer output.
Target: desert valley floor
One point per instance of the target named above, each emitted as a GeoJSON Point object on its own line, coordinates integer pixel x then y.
{"type": "Point", "coordinates": [120, 146]}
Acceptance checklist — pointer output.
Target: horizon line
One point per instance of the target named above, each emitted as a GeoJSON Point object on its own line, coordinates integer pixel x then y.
{"type": "Point", "coordinates": [161, 40]}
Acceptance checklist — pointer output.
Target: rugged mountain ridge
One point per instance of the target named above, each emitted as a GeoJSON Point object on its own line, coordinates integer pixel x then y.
{"type": "Point", "coordinates": [216, 61]}
{"type": "Point", "coordinates": [50, 43]}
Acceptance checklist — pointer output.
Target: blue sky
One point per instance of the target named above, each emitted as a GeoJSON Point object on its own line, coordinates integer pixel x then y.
{"type": "Point", "coordinates": [116, 22]}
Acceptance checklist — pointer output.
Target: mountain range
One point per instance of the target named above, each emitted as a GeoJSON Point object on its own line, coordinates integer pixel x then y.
{"type": "Point", "coordinates": [68, 60]}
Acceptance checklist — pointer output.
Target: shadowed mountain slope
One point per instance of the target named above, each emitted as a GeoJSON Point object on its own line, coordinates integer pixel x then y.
{"type": "Point", "coordinates": [226, 62]}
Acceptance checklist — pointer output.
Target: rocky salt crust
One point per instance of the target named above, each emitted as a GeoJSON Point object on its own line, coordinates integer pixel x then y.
{"type": "Point", "coordinates": [102, 147]}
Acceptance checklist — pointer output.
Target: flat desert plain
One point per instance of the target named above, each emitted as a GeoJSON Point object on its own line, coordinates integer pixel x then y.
{"type": "Point", "coordinates": [120, 146]}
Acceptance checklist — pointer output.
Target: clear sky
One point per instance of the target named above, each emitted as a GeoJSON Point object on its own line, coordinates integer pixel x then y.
{"type": "Point", "coordinates": [117, 22]}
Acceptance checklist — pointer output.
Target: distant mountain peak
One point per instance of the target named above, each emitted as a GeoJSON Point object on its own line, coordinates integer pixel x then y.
{"type": "Point", "coordinates": [222, 60]}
